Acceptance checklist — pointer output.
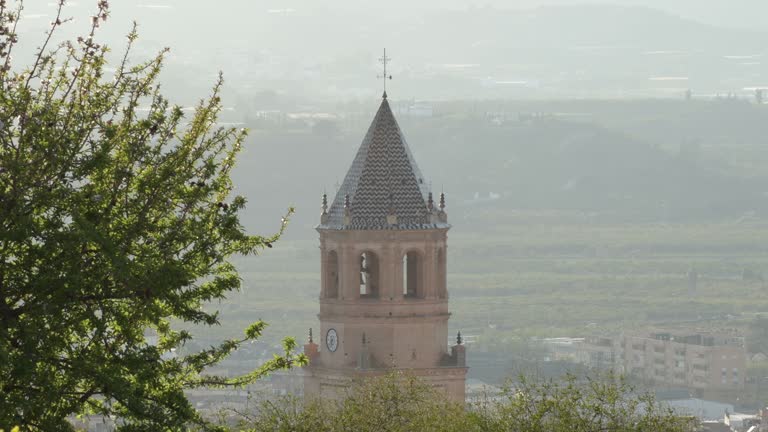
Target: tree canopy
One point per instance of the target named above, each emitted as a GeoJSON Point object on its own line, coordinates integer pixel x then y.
{"type": "Point", "coordinates": [116, 218]}
{"type": "Point", "coordinates": [400, 402]}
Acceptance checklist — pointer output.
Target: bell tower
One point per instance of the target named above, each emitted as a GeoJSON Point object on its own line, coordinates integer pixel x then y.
{"type": "Point", "coordinates": [383, 294]}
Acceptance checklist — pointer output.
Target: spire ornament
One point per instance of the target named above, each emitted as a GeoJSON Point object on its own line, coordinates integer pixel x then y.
{"type": "Point", "coordinates": [442, 216]}
{"type": "Point", "coordinates": [325, 203]}
{"type": "Point", "coordinates": [324, 216]}
{"type": "Point", "coordinates": [459, 340]}
{"type": "Point", "coordinates": [384, 60]}
{"type": "Point", "coordinates": [310, 336]}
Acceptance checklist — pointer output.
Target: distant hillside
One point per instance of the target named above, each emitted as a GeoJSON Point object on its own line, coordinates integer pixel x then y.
{"type": "Point", "coordinates": [316, 50]}
{"type": "Point", "coordinates": [643, 160]}
{"type": "Point", "coordinates": [568, 27]}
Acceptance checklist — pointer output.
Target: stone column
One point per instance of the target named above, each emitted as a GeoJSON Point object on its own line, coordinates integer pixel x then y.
{"type": "Point", "coordinates": [397, 263]}
{"type": "Point", "coordinates": [430, 269]}
{"type": "Point", "coordinates": [387, 273]}
{"type": "Point", "coordinates": [442, 277]}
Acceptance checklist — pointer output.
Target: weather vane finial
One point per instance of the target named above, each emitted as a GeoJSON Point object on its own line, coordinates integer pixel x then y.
{"type": "Point", "coordinates": [385, 77]}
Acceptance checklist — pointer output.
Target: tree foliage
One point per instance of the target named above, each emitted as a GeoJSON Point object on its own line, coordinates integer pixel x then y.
{"type": "Point", "coordinates": [116, 216]}
{"type": "Point", "coordinates": [396, 402]}
{"type": "Point", "coordinates": [400, 402]}
{"type": "Point", "coordinates": [602, 403]}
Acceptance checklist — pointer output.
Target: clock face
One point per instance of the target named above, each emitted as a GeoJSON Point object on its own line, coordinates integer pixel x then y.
{"type": "Point", "coordinates": [332, 340]}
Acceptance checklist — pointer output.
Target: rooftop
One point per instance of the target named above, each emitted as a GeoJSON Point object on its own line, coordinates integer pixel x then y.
{"type": "Point", "coordinates": [384, 188]}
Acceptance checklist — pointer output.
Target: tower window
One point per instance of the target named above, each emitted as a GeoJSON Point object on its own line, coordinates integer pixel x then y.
{"type": "Point", "coordinates": [369, 275]}
{"type": "Point", "coordinates": [332, 276]}
{"type": "Point", "coordinates": [412, 275]}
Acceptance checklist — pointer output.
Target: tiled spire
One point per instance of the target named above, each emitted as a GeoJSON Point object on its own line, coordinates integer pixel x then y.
{"type": "Point", "coordinates": [383, 181]}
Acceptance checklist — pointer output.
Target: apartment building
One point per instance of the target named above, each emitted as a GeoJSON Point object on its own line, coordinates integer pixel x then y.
{"type": "Point", "coordinates": [696, 360]}
{"type": "Point", "coordinates": [699, 360]}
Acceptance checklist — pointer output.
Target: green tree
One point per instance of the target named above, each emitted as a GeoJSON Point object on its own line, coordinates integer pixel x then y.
{"type": "Point", "coordinates": [602, 403]}
{"type": "Point", "coordinates": [396, 402]}
{"type": "Point", "coordinates": [401, 402]}
{"type": "Point", "coordinates": [116, 215]}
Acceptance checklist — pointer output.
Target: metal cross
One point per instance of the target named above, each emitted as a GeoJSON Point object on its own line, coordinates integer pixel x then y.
{"type": "Point", "coordinates": [383, 60]}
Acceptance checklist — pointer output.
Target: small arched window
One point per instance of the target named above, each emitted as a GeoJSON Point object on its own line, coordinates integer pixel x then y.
{"type": "Point", "coordinates": [332, 276]}
{"type": "Point", "coordinates": [369, 275]}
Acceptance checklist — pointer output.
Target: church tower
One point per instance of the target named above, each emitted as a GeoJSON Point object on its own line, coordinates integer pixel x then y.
{"type": "Point", "coordinates": [383, 295]}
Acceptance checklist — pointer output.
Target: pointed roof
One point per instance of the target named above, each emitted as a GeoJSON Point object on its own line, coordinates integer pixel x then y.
{"type": "Point", "coordinates": [383, 180]}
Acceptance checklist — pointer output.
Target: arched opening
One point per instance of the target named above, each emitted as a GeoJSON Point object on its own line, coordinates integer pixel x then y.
{"type": "Point", "coordinates": [412, 275]}
{"type": "Point", "coordinates": [442, 276]}
{"type": "Point", "coordinates": [369, 275]}
{"type": "Point", "coordinates": [332, 276]}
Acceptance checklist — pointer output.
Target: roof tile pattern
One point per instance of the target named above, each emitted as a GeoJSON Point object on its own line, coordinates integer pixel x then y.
{"type": "Point", "coordinates": [383, 179]}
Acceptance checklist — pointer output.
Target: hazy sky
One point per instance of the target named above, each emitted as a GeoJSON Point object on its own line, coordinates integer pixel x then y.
{"type": "Point", "coordinates": [318, 49]}
{"type": "Point", "coordinates": [732, 13]}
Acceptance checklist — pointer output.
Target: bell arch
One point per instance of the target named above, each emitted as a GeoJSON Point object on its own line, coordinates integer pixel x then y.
{"type": "Point", "coordinates": [332, 275]}
{"type": "Point", "coordinates": [413, 274]}
{"type": "Point", "coordinates": [369, 275]}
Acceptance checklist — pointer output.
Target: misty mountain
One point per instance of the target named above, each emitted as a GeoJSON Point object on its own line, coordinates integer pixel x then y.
{"type": "Point", "coordinates": [641, 160]}
{"type": "Point", "coordinates": [320, 51]}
